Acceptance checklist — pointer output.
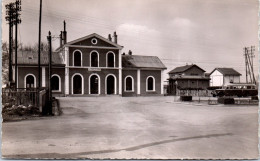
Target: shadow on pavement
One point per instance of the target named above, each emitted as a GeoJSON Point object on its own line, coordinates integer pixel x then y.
{"type": "Point", "coordinates": [76, 155]}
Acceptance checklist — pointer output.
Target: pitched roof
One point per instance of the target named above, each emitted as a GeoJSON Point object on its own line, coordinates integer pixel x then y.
{"type": "Point", "coordinates": [227, 71]}
{"type": "Point", "coordinates": [31, 58]}
{"type": "Point", "coordinates": [183, 69]}
{"type": "Point", "coordinates": [94, 35]}
{"type": "Point", "coordinates": [138, 61]}
{"type": "Point", "coordinates": [89, 36]}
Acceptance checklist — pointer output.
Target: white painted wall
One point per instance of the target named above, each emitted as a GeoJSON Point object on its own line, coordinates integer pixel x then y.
{"type": "Point", "coordinates": [229, 79]}
{"type": "Point", "coordinates": [216, 78]}
{"type": "Point", "coordinates": [120, 73]}
{"type": "Point", "coordinates": [66, 84]}
{"type": "Point", "coordinates": [43, 77]}
{"type": "Point", "coordinates": [236, 79]}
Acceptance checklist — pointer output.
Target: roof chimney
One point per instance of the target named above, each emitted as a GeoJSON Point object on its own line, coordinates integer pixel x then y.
{"type": "Point", "coordinates": [64, 25]}
{"type": "Point", "coordinates": [129, 52]}
{"type": "Point", "coordinates": [109, 37]}
{"type": "Point", "coordinates": [115, 37]}
{"type": "Point", "coordinates": [61, 38]}
{"type": "Point", "coordinates": [64, 35]}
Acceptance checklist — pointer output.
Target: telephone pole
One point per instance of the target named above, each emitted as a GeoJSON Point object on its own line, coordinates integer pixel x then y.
{"type": "Point", "coordinates": [249, 55]}
{"type": "Point", "coordinates": [10, 8]}
{"type": "Point", "coordinates": [39, 47]}
{"type": "Point", "coordinates": [49, 111]}
{"type": "Point", "coordinates": [13, 18]}
{"type": "Point", "coordinates": [17, 21]}
{"type": "Point", "coordinates": [245, 53]}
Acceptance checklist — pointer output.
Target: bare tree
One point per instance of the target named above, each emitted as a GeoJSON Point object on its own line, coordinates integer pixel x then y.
{"type": "Point", "coordinates": [21, 48]}
{"type": "Point", "coordinates": [5, 61]}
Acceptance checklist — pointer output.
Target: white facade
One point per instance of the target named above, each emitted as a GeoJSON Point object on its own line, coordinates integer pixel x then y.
{"type": "Point", "coordinates": [218, 79]}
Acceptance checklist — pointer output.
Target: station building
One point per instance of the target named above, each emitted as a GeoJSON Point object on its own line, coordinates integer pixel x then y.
{"type": "Point", "coordinates": [187, 77]}
{"type": "Point", "coordinates": [221, 77]}
{"type": "Point", "coordinates": [92, 65]}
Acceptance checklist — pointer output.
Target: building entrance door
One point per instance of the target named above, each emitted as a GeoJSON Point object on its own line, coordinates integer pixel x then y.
{"type": "Point", "coordinates": [77, 84]}
{"type": "Point", "coordinates": [29, 81]}
{"type": "Point", "coordinates": [94, 84]}
{"type": "Point", "coordinates": [110, 85]}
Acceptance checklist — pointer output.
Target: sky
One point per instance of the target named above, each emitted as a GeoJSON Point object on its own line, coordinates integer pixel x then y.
{"type": "Point", "coordinates": [209, 33]}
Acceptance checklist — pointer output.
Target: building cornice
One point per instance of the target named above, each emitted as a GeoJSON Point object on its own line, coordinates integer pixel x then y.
{"type": "Point", "coordinates": [93, 47]}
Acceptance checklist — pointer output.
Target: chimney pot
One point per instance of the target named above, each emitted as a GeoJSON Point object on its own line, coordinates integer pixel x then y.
{"type": "Point", "coordinates": [60, 38]}
{"type": "Point", "coordinates": [64, 34]}
{"type": "Point", "coordinates": [64, 24]}
{"type": "Point", "coordinates": [115, 37]}
{"type": "Point", "coordinates": [109, 37]}
{"type": "Point", "coordinates": [129, 52]}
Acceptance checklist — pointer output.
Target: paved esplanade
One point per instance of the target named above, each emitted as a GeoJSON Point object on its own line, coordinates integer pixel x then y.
{"type": "Point", "coordinates": [136, 127]}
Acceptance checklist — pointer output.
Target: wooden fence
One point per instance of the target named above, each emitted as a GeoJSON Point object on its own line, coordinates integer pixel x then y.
{"type": "Point", "coordinates": [25, 96]}
{"type": "Point", "coordinates": [202, 93]}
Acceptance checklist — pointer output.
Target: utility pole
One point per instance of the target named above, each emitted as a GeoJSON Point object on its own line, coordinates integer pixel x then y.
{"type": "Point", "coordinates": [39, 47]}
{"type": "Point", "coordinates": [17, 21]}
{"type": "Point", "coordinates": [50, 73]}
{"type": "Point", "coordinates": [249, 55]}
{"type": "Point", "coordinates": [245, 53]}
{"type": "Point", "coordinates": [10, 18]}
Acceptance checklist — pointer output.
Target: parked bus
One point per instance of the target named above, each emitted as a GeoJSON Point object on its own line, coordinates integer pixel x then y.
{"type": "Point", "coordinates": [237, 90]}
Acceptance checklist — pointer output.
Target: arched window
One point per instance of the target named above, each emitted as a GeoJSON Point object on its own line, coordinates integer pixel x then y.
{"type": "Point", "coordinates": [150, 83]}
{"type": "Point", "coordinates": [55, 83]}
{"type": "Point", "coordinates": [94, 59]}
{"type": "Point", "coordinates": [30, 81]}
{"type": "Point", "coordinates": [129, 83]}
{"type": "Point", "coordinates": [110, 59]}
{"type": "Point", "coordinates": [77, 58]}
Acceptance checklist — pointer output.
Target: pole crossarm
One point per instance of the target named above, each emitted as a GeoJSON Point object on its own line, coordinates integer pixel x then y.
{"type": "Point", "coordinates": [249, 55]}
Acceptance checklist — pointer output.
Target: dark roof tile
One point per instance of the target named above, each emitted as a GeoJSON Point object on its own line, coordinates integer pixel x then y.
{"type": "Point", "coordinates": [227, 71]}
{"type": "Point", "coordinates": [183, 69]}
{"type": "Point", "coordinates": [137, 61]}
{"type": "Point", "coordinates": [31, 58]}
